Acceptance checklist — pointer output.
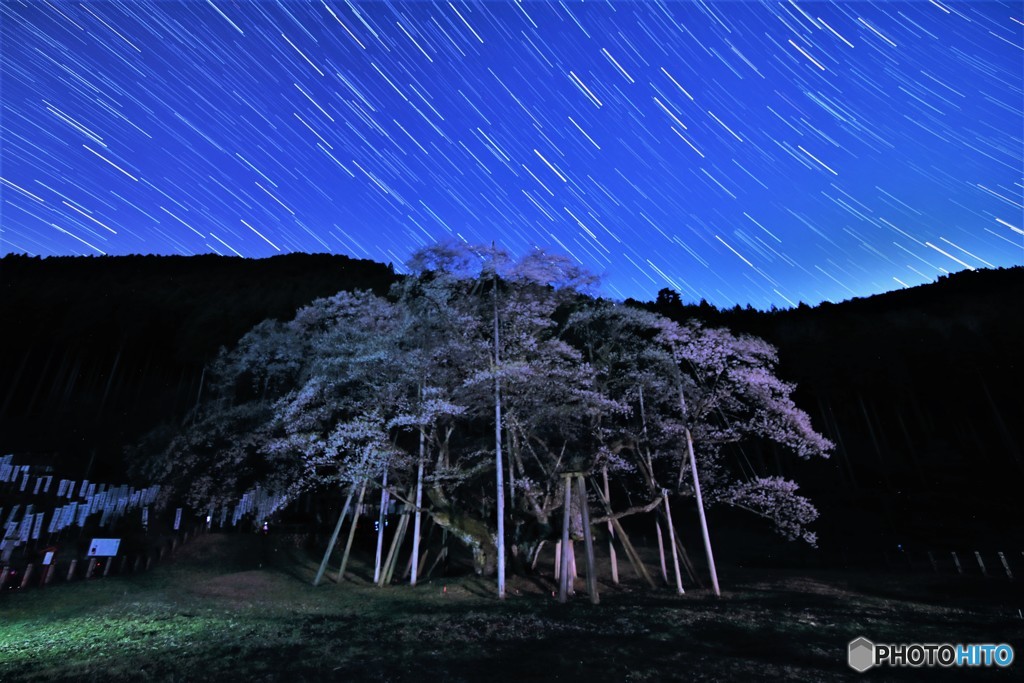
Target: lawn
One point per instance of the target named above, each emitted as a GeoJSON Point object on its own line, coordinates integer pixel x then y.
{"type": "Point", "coordinates": [242, 608]}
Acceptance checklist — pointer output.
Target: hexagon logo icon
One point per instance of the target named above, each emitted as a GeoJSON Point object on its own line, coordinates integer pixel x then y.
{"type": "Point", "coordinates": [861, 654]}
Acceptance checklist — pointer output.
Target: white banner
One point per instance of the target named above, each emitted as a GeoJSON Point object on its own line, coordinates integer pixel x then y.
{"type": "Point", "coordinates": [177, 519]}
{"type": "Point", "coordinates": [38, 525]}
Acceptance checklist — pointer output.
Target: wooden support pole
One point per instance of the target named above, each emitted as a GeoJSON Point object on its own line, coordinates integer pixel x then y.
{"type": "Point", "coordinates": [700, 512]}
{"type": "Point", "coordinates": [627, 545]}
{"type": "Point", "coordinates": [1006, 565]}
{"type": "Point", "coordinates": [415, 568]}
{"type": "Point", "coordinates": [661, 549]}
{"type": "Point", "coordinates": [672, 535]}
{"type": "Point", "coordinates": [392, 557]}
{"type": "Point", "coordinates": [977, 556]}
{"type": "Point", "coordinates": [334, 539]}
{"type": "Point", "coordinates": [588, 540]}
{"type": "Point", "coordinates": [381, 520]}
{"type": "Point", "coordinates": [611, 531]}
{"type": "Point", "coordinates": [558, 559]}
{"type": "Point", "coordinates": [351, 532]}
{"type": "Point", "coordinates": [563, 583]}
{"type": "Point", "coordinates": [440, 556]}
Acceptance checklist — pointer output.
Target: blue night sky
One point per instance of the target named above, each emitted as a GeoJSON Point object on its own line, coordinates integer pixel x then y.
{"type": "Point", "coordinates": [742, 152]}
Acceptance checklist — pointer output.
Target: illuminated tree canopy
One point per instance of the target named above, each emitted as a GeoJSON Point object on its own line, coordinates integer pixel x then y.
{"type": "Point", "coordinates": [353, 385]}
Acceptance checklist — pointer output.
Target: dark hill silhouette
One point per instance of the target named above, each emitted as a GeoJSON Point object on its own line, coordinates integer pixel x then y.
{"type": "Point", "coordinates": [920, 388]}
{"type": "Point", "coordinates": [98, 350]}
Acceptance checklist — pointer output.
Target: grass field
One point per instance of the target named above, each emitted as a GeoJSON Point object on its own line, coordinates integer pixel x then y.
{"type": "Point", "coordinates": [242, 608]}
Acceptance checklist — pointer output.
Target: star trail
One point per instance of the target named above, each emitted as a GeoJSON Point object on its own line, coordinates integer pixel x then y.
{"type": "Point", "coordinates": [761, 153]}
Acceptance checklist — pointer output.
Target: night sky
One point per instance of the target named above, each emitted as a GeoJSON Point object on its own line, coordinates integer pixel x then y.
{"type": "Point", "coordinates": [741, 152]}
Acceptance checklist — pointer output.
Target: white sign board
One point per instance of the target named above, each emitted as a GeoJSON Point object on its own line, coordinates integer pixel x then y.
{"type": "Point", "coordinates": [103, 547]}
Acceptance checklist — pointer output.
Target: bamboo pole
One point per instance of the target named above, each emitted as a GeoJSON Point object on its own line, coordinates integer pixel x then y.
{"type": "Point", "coordinates": [351, 532]}
{"type": "Point", "coordinates": [661, 549]}
{"type": "Point", "coordinates": [382, 518]}
{"type": "Point", "coordinates": [611, 531]}
{"type": "Point", "coordinates": [672, 534]}
{"type": "Point", "coordinates": [392, 558]}
{"type": "Point", "coordinates": [563, 583]}
{"type": "Point", "coordinates": [418, 517]}
{"type": "Point", "coordinates": [627, 545]}
{"type": "Point", "coordinates": [588, 540]}
{"type": "Point", "coordinates": [703, 518]}
{"type": "Point", "coordinates": [334, 538]}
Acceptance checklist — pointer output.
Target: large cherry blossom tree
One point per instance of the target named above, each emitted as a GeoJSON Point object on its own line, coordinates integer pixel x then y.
{"type": "Point", "coordinates": [480, 380]}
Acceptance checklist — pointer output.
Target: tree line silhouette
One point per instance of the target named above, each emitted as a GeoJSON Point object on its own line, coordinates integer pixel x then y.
{"type": "Point", "coordinates": [919, 389]}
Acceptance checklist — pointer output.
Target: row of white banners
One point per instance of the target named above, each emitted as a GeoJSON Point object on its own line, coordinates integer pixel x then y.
{"type": "Point", "coordinates": [109, 501]}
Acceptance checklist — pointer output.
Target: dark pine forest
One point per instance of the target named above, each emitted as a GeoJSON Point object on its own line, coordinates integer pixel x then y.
{"type": "Point", "coordinates": [920, 389]}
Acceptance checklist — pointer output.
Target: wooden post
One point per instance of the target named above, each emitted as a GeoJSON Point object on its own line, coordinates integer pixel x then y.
{"type": "Point", "coordinates": [1006, 565]}
{"type": "Point", "coordinates": [627, 545]}
{"type": "Point", "coordinates": [931, 558]}
{"type": "Point", "coordinates": [417, 519]}
{"type": "Point", "coordinates": [977, 556]}
{"type": "Point", "coordinates": [334, 538]}
{"type": "Point", "coordinates": [588, 540]}
{"type": "Point", "coordinates": [700, 512]}
{"type": "Point", "coordinates": [3, 576]}
{"type": "Point", "coordinates": [382, 518]}
{"type": "Point", "coordinates": [392, 557]}
{"type": "Point", "coordinates": [611, 531]}
{"type": "Point", "coordinates": [700, 500]}
{"type": "Point", "coordinates": [672, 534]}
{"type": "Point", "coordinates": [28, 575]}
{"type": "Point", "coordinates": [351, 532]}
{"type": "Point", "coordinates": [956, 561]}
{"type": "Point", "coordinates": [558, 559]}
{"type": "Point", "coordinates": [661, 550]}
{"type": "Point", "coordinates": [563, 583]}
{"type": "Point", "coordinates": [90, 568]}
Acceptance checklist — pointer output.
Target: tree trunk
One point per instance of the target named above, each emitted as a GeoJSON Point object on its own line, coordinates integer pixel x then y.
{"type": "Point", "coordinates": [475, 533]}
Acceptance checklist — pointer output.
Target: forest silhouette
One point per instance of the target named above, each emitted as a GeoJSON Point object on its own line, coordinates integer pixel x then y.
{"type": "Point", "coordinates": [920, 389]}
